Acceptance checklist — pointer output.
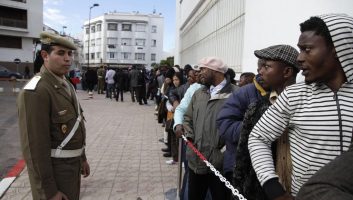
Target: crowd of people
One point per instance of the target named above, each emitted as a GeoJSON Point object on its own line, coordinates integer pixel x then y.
{"type": "Point", "coordinates": [270, 137]}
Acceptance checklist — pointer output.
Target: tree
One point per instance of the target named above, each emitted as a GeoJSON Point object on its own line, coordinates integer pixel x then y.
{"type": "Point", "coordinates": [169, 61]}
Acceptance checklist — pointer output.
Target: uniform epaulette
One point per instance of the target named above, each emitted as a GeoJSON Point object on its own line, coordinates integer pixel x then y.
{"type": "Point", "coordinates": [32, 84]}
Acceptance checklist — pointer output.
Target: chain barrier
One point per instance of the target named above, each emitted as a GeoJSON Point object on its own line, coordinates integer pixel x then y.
{"type": "Point", "coordinates": [213, 169]}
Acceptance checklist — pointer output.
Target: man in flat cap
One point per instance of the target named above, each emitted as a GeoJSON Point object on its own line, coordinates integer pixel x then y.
{"type": "Point", "coordinates": [51, 125]}
{"type": "Point", "coordinates": [317, 113]}
{"type": "Point", "coordinates": [277, 69]}
{"type": "Point", "coordinates": [200, 128]}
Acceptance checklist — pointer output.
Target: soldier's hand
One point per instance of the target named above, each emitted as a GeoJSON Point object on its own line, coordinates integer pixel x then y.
{"type": "Point", "coordinates": [59, 196]}
{"type": "Point", "coordinates": [179, 130]}
{"type": "Point", "coordinates": [85, 170]}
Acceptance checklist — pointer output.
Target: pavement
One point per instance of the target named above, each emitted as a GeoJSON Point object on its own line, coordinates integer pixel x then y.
{"type": "Point", "coordinates": [123, 152]}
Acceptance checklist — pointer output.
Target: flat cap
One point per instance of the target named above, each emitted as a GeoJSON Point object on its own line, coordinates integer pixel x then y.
{"type": "Point", "coordinates": [56, 40]}
{"type": "Point", "coordinates": [284, 53]}
{"type": "Point", "coordinates": [213, 63]}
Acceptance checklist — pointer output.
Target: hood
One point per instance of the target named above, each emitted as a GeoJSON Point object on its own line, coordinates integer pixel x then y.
{"type": "Point", "coordinates": [341, 31]}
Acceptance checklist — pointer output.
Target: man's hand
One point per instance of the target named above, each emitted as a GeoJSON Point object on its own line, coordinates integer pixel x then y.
{"type": "Point", "coordinates": [179, 130]}
{"type": "Point", "coordinates": [85, 170]}
{"type": "Point", "coordinates": [59, 196]}
{"type": "Point", "coordinates": [285, 197]}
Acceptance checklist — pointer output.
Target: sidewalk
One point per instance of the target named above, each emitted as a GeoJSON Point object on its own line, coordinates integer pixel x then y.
{"type": "Point", "coordinates": [123, 152]}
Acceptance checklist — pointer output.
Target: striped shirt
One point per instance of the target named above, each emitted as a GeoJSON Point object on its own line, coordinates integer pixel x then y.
{"type": "Point", "coordinates": [320, 121]}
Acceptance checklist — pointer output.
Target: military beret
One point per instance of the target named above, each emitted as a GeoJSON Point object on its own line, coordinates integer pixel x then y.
{"type": "Point", "coordinates": [284, 53]}
{"type": "Point", "coordinates": [56, 40]}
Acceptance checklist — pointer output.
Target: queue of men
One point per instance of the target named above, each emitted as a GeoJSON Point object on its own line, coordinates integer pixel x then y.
{"type": "Point", "coordinates": [270, 137]}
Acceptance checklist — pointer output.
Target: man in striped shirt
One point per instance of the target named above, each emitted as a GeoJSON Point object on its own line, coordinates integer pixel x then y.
{"type": "Point", "coordinates": [317, 113]}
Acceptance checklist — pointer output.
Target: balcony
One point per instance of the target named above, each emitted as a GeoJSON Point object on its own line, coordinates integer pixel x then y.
{"type": "Point", "coordinates": [13, 23]}
{"type": "Point", "coordinates": [22, 1]}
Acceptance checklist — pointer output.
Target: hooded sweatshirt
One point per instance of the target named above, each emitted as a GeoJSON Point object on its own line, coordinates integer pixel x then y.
{"type": "Point", "coordinates": [320, 121]}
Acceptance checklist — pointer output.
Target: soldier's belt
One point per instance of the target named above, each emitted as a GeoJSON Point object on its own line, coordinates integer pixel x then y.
{"type": "Point", "coordinates": [67, 153]}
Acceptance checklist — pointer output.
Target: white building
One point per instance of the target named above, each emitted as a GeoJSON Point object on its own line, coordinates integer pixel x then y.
{"type": "Point", "coordinates": [123, 39]}
{"type": "Point", "coordinates": [21, 22]}
{"type": "Point", "coordinates": [233, 29]}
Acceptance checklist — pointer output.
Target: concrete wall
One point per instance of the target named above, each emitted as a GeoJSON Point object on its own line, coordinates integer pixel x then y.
{"type": "Point", "coordinates": [274, 22]}
{"type": "Point", "coordinates": [212, 28]}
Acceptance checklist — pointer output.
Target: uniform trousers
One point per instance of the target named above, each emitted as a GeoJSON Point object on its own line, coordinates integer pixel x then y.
{"type": "Point", "coordinates": [67, 176]}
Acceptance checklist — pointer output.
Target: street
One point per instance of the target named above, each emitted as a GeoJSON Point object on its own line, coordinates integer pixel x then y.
{"type": "Point", "coordinates": [123, 151]}
{"type": "Point", "coordinates": [9, 135]}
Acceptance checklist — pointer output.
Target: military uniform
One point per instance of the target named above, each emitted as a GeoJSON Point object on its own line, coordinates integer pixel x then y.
{"type": "Point", "coordinates": [48, 110]}
{"type": "Point", "coordinates": [101, 80]}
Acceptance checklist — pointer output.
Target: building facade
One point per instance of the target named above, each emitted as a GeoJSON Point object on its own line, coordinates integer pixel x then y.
{"type": "Point", "coordinates": [233, 29]}
{"type": "Point", "coordinates": [210, 28]}
{"type": "Point", "coordinates": [123, 39]}
{"type": "Point", "coordinates": [21, 22]}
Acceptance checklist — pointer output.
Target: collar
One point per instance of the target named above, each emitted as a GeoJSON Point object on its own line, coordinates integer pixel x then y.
{"type": "Point", "coordinates": [215, 89]}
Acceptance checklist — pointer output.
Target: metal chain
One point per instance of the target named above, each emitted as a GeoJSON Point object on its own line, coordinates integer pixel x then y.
{"type": "Point", "coordinates": [214, 170]}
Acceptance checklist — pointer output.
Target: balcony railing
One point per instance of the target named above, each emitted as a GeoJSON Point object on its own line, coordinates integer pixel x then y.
{"type": "Point", "coordinates": [22, 1]}
{"type": "Point", "coordinates": [13, 23]}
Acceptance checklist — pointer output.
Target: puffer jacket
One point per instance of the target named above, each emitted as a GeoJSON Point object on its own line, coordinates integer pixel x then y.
{"type": "Point", "coordinates": [200, 127]}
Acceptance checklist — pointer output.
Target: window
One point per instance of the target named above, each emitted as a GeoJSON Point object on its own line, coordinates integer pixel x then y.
{"type": "Point", "coordinates": [98, 41]}
{"type": "Point", "coordinates": [126, 41]}
{"type": "Point", "coordinates": [154, 43]}
{"type": "Point", "coordinates": [154, 29]}
{"type": "Point", "coordinates": [93, 43]}
{"type": "Point", "coordinates": [13, 17]}
{"type": "Point", "coordinates": [153, 57]}
{"type": "Point", "coordinates": [92, 56]}
{"type": "Point", "coordinates": [10, 42]}
{"type": "Point", "coordinates": [86, 43]}
{"type": "Point", "coordinates": [126, 27]}
{"type": "Point", "coordinates": [87, 30]}
{"type": "Point", "coordinates": [111, 46]}
{"type": "Point", "coordinates": [140, 27]}
{"type": "Point", "coordinates": [86, 56]}
{"type": "Point", "coordinates": [112, 27]}
{"type": "Point", "coordinates": [140, 42]}
{"type": "Point", "coordinates": [111, 55]}
{"type": "Point", "coordinates": [125, 55]}
{"type": "Point", "coordinates": [99, 27]}
{"type": "Point", "coordinates": [112, 40]}
{"type": "Point", "coordinates": [98, 54]}
{"type": "Point", "coordinates": [139, 56]}
{"type": "Point", "coordinates": [93, 29]}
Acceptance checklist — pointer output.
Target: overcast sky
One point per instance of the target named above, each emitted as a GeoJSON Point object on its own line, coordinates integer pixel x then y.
{"type": "Point", "coordinates": [72, 14]}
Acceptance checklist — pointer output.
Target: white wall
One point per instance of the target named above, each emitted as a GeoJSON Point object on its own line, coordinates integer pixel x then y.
{"type": "Point", "coordinates": [274, 22]}
{"type": "Point", "coordinates": [215, 28]}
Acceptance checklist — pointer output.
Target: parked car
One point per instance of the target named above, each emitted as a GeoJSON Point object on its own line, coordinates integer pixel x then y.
{"type": "Point", "coordinates": [5, 73]}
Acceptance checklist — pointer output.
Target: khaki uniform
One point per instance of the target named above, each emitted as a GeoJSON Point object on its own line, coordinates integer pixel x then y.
{"type": "Point", "coordinates": [101, 80]}
{"type": "Point", "coordinates": [46, 116]}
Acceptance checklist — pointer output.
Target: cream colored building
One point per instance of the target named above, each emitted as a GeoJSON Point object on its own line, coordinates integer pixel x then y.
{"type": "Point", "coordinates": [233, 29]}
{"type": "Point", "coordinates": [123, 39]}
{"type": "Point", "coordinates": [21, 22]}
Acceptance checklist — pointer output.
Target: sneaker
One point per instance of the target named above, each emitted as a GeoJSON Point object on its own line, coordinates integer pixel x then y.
{"type": "Point", "coordinates": [170, 162]}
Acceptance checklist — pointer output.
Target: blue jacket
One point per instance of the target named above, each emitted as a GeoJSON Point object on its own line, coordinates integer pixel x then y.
{"type": "Point", "coordinates": [230, 118]}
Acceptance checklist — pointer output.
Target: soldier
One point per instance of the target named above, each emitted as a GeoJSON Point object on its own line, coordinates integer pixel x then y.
{"type": "Point", "coordinates": [51, 127]}
{"type": "Point", "coordinates": [101, 76]}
